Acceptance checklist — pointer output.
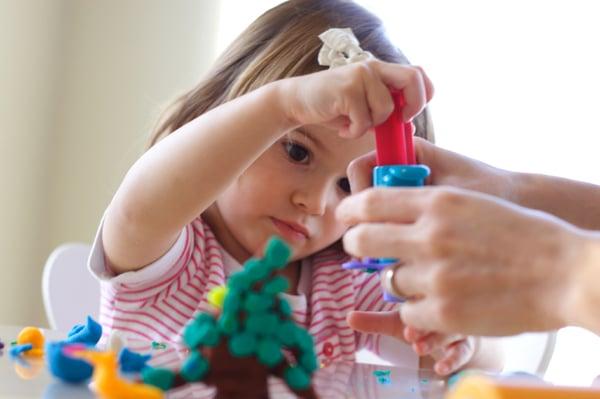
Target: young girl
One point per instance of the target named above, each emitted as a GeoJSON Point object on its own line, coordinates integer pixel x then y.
{"type": "Point", "coordinates": [260, 147]}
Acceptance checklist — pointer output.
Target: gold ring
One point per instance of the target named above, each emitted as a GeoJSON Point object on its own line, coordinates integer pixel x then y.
{"type": "Point", "coordinates": [387, 281]}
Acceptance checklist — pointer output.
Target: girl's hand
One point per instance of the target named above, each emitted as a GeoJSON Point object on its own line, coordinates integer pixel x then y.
{"type": "Point", "coordinates": [355, 97]}
{"type": "Point", "coordinates": [450, 352]}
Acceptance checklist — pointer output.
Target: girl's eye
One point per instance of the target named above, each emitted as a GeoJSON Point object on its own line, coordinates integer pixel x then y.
{"type": "Point", "coordinates": [344, 185]}
{"type": "Point", "coordinates": [297, 152]}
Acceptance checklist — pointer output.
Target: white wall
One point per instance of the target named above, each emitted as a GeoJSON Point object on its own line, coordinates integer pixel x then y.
{"type": "Point", "coordinates": [516, 81]}
{"type": "Point", "coordinates": [29, 40]}
{"type": "Point", "coordinates": [82, 84]}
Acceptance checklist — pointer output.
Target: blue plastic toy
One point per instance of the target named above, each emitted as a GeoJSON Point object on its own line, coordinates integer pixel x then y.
{"type": "Point", "coordinates": [16, 350]}
{"type": "Point", "coordinates": [69, 369]}
{"type": "Point", "coordinates": [88, 334]}
{"type": "Point", "coordinates": [64, 367]}
{"type": "Point", "coordinates": [131, 362]}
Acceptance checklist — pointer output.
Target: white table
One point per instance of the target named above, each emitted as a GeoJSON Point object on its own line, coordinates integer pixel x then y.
{"type": "Point", "coordinates": [25, 378]}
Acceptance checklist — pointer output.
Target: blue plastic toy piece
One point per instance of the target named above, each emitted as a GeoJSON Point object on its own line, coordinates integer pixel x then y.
{"type": "Point", "coordinates": [400, 175]}
{"type": "Point", "coordinates": [66, 368]}
{"type": "Point", "coordinates": [16, 350]}
{"type": "Point", "coordinates": [131, 362]}
{"type": "Point", "coordinates": [88, 334]}
{"type": "Point", "coordinates": [69, 369]}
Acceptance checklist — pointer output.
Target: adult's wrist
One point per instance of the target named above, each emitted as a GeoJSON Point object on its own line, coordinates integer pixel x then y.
{"type": "Point", "coordinates": [521, 187]}
{"type": "Point", "coordinates": [584, 309]}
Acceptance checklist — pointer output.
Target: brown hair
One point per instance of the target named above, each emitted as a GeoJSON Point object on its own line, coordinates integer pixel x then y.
{"type": "Point", "coordinates": [281, 43]}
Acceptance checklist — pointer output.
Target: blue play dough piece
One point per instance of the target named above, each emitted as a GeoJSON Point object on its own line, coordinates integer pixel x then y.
{"type": "Point", "coordinates": [64, 367]}
{"type": "Point", "coordinates": [132, 362]}
{"type": "Point", "coordinates": [88, 334]}
{"type": "Point", "coordinates": [16, 350]}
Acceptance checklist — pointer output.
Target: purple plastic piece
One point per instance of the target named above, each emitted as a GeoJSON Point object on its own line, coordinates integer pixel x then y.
{"type": "Point", "coordinates": [367, 264]}
{"type": "Point", "coordinates": [394, 299]}
{"type": "Point", "coordinates": [353, 264]}
{"type": "Point", "coordinates": [373, 265]}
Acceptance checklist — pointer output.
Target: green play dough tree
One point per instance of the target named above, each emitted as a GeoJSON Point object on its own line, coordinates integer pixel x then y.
{"type": "Point", "coordinates": [245, 343]}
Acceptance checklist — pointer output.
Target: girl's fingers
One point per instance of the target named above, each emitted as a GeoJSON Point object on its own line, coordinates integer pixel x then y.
{"type": "Point", "coordinates": [428, 84]}
{"type": "Point", "coordinates": [386, 323]}
{"type": "Point", "coordinates": [379, 98]}
{"type": "Point", "coordinates": [412, 334]}
{"type": "Point", "coordinates": [354, 103]}
{"type": "Point", "coordinates": [408, 79]}
{"type": "Point", "coordinates": [456, 356]}
{"type": "Point", "coordinates": [433, 341]}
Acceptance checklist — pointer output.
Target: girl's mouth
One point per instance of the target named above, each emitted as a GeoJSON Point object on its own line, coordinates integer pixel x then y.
{"type": "Point", "coordinates": [290, 230]}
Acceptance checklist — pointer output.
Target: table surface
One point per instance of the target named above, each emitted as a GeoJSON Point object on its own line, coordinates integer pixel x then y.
{"type": "Point", "coordinates": [26, 377]}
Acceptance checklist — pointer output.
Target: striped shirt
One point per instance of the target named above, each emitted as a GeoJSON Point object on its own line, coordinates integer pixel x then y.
{"type": "Point", "coordinates": [156, 302]}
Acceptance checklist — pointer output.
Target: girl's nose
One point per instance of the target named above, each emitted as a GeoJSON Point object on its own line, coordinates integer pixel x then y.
{"type": "Point", "coordinates": [311, 199]}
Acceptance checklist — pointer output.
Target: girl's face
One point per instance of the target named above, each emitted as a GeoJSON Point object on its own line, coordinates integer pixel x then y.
{"type": "Point", "coordinates": [292, 191]}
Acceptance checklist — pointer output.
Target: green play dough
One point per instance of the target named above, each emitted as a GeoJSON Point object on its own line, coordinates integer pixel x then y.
{"type": "Point", "coordinates": [160, 378]}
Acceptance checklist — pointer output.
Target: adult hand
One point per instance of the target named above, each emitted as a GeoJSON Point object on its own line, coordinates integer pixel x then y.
{"type": "Point", "coordinates": [471, 263]}
{"type": "Point", "coordinates": [447, 169]}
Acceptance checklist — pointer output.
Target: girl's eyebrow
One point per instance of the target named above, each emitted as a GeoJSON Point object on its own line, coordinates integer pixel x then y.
{"type": "Point", "coordinates": [312, 138]}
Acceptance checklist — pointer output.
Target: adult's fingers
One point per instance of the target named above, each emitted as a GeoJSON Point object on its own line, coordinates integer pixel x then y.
{"type": "Point", "coordinates": [422, 314]}
{"type": "Point", "coordinates": [383, 205]}
{"type": "Point", "coordinates": [386, 323]}
{"type": "Point", "coordinates": [378, 240]}
{"type": "Point", "coordinates": [360, 172]}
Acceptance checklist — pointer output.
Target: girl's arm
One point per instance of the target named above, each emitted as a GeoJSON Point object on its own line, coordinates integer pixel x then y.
{"type": "Point", "coordinates": [179, 177]}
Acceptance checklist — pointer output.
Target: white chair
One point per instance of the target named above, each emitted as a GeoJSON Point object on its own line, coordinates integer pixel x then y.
{"type": "Point", "coordinates": [529, 352]}
{"type": "Point", "coordinates": [69, 291]}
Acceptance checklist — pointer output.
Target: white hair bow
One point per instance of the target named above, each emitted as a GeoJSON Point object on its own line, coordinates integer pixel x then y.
{"type": "Point", "coordinates": [340, 47]}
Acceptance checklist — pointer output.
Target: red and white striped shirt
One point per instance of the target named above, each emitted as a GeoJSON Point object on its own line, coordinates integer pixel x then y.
{"type": "Point", "coordinates": [156, 302]}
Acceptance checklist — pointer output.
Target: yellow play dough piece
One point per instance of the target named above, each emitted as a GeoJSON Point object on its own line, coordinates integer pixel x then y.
{"type": "Point", "coordinates": [216, 296]}
{"type": "Point", "coordinates": [108, 383]}
{"type": "Point", "coordinates": [31, 369]}
{"type": "Point", "coordinates": [33, 336]}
